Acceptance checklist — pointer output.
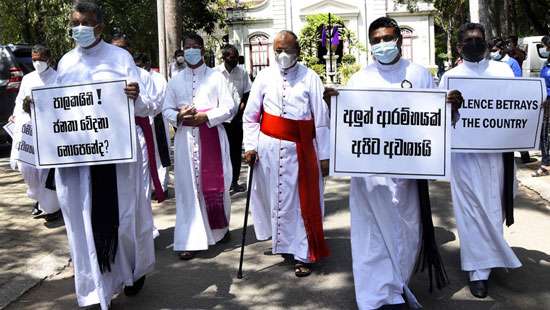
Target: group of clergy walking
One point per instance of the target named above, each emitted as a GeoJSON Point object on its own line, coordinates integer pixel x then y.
{"type": "Point", "coordinates": [283, 121]}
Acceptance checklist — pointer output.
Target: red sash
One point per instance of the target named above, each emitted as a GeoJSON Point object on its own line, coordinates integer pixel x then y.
{"type": "Point", "coordinates": [143, 122]}
{"type": "Point", "coordinates": [302, 132]}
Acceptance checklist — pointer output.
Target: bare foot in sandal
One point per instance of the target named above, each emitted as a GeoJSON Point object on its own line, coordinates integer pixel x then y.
{"type": "Point", "coordinates": [541, 172]}
{"type": "Point", "coordinates": [302, 269]}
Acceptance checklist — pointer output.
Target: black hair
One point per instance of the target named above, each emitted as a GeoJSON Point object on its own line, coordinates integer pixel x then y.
{"type": "Point", "coordinates": [546, 40]}
{"type": "Point", "coordinates": [385, 22]}
{"type": "Point", "coordinates": [469, 27]}
{"type": "Point", "coordinates": [291, 34]}
{"type": "Point", "coordinates": [178, 52]}
{"type": "Point", "coordinates": [229, 47]}
{"type": "Point", "coordinates": [195, 37]}
{"type": "Point", "coordinates": [142, 57]}
{"type": "Point", "coordinates": [83, 6]}
{"type": "Point", "coordinates": [42, 50]}
{"type": "Point", "coordinates": [497, 42]}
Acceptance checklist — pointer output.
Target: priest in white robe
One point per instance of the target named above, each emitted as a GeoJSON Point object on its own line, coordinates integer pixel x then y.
{"type": "Point", "coordinates": [197, 103]}
{"type": "Point", "coordinates": [100, 272]}
{"type": "Point", "coordinates": [285, 115]}
{"type": "Point", "coordinates": [35, 179]}
{"type": "Point", "coordinates": [391, 228]}
{"type": "Point", "coordinates": [477, 179]}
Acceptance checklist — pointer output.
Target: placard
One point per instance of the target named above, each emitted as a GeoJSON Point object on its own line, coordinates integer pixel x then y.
{"type": "Point", "coordinates": [402, 133]}
{"type": "Point", "coordinates": [83, 125]}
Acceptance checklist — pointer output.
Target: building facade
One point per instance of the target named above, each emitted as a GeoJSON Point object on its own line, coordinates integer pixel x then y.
{"type": "Point", "coordinates": [254, 23]}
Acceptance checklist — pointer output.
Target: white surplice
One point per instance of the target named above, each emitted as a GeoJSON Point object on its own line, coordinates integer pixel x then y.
{"type": "Point", "coordinates": [206, 89]}
{"type": "Point", "coordinates": [477, 182]}
{"type": "Point", "coordinates": [34, 178]}
{"type": "Point", "coordinates": [160, 87]}
{"type": "Point", "coordinates": [385, 212]}
{"type": "Point", "coordinates": [135, 255]}
{"type": "Point", "coordinates": [297, 94]}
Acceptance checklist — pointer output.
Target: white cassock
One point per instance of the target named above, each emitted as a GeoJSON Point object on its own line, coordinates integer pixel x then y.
{"type": "Point", "coordinates": [135, 255]}
{"type": "Point", "coordinates": [206, 89]}
{"type": "Point", "coordinates": [33, 177]}
{"type": "Point", "coordinates": [297, 94]}
{"type": "Point", "coordinates": [477, 182]}
{"type": "Point", "coordinates": [160, 86]}
{"type": "Point", "coordinates": [385, 212]}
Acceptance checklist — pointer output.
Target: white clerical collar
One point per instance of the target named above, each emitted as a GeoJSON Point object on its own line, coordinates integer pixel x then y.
{"type": "Point", "coordinates": [91, 50]}
{"type": "Point", "coordinates": [392, 67]}
{"type": "Point", "coordinates": [505, 58]}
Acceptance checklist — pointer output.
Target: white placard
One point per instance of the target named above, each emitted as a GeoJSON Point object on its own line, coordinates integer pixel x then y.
{"type": "Point", "coordinates": [23, 143]}
{"type": "Point", "coordinates": [498, 114]}
{"type": "Point", "coordinates": [83, 125]}
{"type": "Point", "coordinates": [401, 133]}
{"type": "Point", "coordinates": [10, 129]}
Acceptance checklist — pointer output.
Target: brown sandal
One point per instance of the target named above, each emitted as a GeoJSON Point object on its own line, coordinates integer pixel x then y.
{"type": "Point", "coordinates": [187, 255]}
{"type": "Point", "coordinates": [302, 269]}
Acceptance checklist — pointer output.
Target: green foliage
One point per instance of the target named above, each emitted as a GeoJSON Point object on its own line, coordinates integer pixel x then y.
{"type": "Point", "coordinates": [345, 72]}
{"type": "Point", "coordinates": [46, 21]}
{"type": "Point", "coordinates": [319, 69]}
{"type": "Point", "coordinates": [36, 21]}
{"type": "Point", "coordinates": [348, 59]}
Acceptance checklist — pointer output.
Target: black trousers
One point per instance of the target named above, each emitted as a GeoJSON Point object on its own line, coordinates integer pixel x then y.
{"type": "Point", "coordinates": [235, 136]}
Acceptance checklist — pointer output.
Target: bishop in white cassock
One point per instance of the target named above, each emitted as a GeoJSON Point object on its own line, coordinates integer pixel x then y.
{"type": "Point", "coordinates": [478, 185]}
{"type": "Point", "coordinates": [197, 103]}
{"type": "Point", "coordinates": [97, 282]}
{"type": "Point", "coordinates": [34, 178]}
{"type": "Point", "coordinates": [288, 97]}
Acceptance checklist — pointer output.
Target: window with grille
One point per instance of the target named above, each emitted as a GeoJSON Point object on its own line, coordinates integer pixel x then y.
{"type": "Point", "coordinates": [259, 54]}
{"type": "Point", "coordinates": [407, 47]}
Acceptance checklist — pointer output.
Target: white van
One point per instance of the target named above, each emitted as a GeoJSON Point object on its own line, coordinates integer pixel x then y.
{"type": "Point", "coordinates": [533, 61]}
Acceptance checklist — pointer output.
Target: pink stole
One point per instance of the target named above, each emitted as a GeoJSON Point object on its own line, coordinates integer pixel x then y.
{"type": "Point", "coordinates": [212, 180]}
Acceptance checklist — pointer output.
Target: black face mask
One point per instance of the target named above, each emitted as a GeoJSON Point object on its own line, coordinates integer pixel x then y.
{"type": "Point", "coordinates": [232, 63]}
{"type": "Point", "coordinates": [474, 49]}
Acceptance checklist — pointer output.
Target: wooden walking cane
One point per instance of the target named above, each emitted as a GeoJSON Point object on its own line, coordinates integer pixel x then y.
{"type": "Point", "coordinates": [249, 190]}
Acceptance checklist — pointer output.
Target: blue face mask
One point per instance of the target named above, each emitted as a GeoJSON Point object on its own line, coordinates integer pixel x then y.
{"type": "Point", "coordinates": [385, 52]}
{"type": "Point", "coordinates": [192, 56]}
{"type": "Point", "coordinates": [83, 35]}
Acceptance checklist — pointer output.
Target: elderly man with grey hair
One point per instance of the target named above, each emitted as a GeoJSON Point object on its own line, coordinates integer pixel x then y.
{"type": "Point", "coordinates": [286, 135]}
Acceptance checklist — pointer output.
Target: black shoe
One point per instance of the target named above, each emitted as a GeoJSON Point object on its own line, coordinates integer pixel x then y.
{"type": "Point", "coordinates": [134, 289]}
{"type": "Point", "coordinates": [394, 307]}
{"type": "Point", "coordinates": [226, 238]}
{"type": "Point", "coordinates": [53, 216]}
{"type": "Point", "coordinates": [237, 188]}
{"type": "Point", "coordinates": [479, 289]}
{"type": "Point", "coordinates": [35, 211]}
{"type": "Point", "coordinates": [269, 252]}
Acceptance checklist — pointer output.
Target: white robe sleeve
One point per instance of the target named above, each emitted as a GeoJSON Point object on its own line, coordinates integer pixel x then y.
{"type": "Point", "coordinates": [24, 91]}
{"type": "Point", "coordinates": [144, 105]}
{"type": "Point", "coordinates": [252, 114]}
{"type": "Point", "coordinates": [321, 117]}
{"type": "Point", "coordinates": [226, 107]}
{"type": "Point", "coordinates": [169, 108]}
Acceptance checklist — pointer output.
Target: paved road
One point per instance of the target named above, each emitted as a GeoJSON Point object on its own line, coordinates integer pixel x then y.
{"type": "Point", "coordinates": [30, 251]}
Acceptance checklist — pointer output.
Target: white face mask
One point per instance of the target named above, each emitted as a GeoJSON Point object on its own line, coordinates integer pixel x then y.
{"type": "Point", "coordinates": [285, 60]}
{"type": "Point", "coordinates": [180, 59]}
{"type": "Point", "coordinates": [84, 36]}
{"type": "Point", "coordinates": [40, 66]}
{"type": "Point", "coordinates": [496, 56]}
